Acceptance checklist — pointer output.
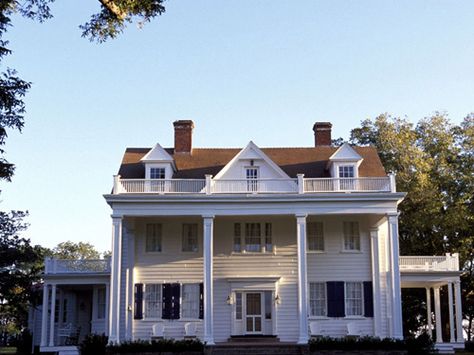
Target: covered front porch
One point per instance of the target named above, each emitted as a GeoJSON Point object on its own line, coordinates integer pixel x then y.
{"type": "Point", "coordinates": [436, 274]}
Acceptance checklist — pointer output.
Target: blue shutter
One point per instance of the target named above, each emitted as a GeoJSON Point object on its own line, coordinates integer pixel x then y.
{"type": "Point", "coordinates": [335, 294]}
{"type": "Point", "coordinates": [166, 305]}
{"type": "Point", "coordinates": [138, 309]}
{"type": "Point", "coordinates": [201, 301]}
{"type": "Point", "coordinates": [368, 299]}
{"type": "Point", "coordinates": [175, 293]}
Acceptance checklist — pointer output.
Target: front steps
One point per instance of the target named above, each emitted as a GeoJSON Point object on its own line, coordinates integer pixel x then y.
{"type": "Point", "coordinates": [256, 345]}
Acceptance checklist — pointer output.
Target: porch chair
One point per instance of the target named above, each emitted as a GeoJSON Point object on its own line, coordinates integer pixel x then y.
{"type": "Point", "coordinates": [316, 330]}
{"type": "Point", "coordinates": [64, 332]}
{"type": "Point", "coordinates": [190, 330]}
{"type": "Point", "coordinates": [157, 331]}
{"type": "Point", "coordinates": [353, 329]}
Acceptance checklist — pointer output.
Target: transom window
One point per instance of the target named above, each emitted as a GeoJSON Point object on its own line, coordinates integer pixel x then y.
{"type": "Point", "coordinates": [351, 236]}
{"type": "Point", "coordinates": [190, 242]}
{"type": "Point", "coordinates": [346, 171]}
{"type": "Point", "coordinates": [315, 236]}
{"type": "Point", "coordinates": [153, 301]}
{"type": "Point", "coordinates": [157, 173]}
{"type": "Point", "coordinates": [153, 237]}
{"type": "Point", "coordinates": [354, 299]}
{"type": "Point", "coordinates": [317, 298]}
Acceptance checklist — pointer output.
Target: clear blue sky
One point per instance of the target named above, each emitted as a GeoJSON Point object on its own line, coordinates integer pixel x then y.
{"type": "Point", "coordinates": [255, 69]}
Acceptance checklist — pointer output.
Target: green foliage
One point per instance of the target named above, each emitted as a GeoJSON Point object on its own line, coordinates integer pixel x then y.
{"type": "Point", "coordinates": [165, 345]}
{"type": "Point", "coordinates": [94, 344]}
{"type": "Point", "coordinates": [71, 250]}
{"type": "Point", "coordinates": [421, 345]}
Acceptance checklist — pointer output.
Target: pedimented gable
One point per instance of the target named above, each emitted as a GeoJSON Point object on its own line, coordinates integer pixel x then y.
{"type": "Point", "coordinates": [345, 153]}
{"type": "Point", "coordinates": [157, 154]}
{"type": "Point", "coordinates": [251, 157]}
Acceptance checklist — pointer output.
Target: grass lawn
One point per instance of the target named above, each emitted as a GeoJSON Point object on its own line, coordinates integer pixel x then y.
{"type": "Point", "coordinates": [7, 350]}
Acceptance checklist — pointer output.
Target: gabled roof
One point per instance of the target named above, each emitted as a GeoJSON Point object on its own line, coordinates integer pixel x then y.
{"type": "Point", "coordinates": [345, 153]}
{"type": "Point", "coordinates": [310, 161]}
{"type": "Point", "coordinates": [252, 152]}
{"type": "Point", "coordinates": [157, 154]}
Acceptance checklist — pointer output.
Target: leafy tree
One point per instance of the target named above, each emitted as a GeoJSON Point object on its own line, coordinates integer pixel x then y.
{"type": "Point", "coordinates": [71, 250]}
{"type": "Point", "coordinates": [434, 162]}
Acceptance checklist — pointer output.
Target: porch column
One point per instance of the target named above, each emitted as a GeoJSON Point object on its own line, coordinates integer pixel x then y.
{"type": "Point", "coordinates": [428, 311]}
{"type": "Point", "coordinates": [53, 311]}
{"type": "Point", "coordinates": [458, 305]}
{"type": "Point", "coordinates": [44, 316]}
{"type": "Point", "coordinates": [451, 315]}
{"type": "Point", "coordinates": [114, 320]}
{"type": "Point", "coordinates": [439, 333]}
{"type": "Point", "coordinates": [396, 298]}
{"type": "Point", "coordinates": [208, 279]}
{"type": "Point", "coordinates": [302, 279]}
{"type": "Point", "coordinates": [374, 247]}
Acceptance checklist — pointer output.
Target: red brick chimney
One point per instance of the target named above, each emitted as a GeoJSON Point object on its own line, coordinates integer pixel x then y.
{"type": "Point", "coordinates": [183, 136]}
{"type": "Point", "coordinates": [322, 133]}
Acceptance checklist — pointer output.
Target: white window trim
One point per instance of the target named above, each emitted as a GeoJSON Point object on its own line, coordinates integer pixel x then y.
{"type": "Point", "coordinates": [355, 316]}
{"type": "Point", "coordinates": [242, 237]}
{"type": "Point", "coordinates": [311, 316]}
{"type": "Point", "coordinates": [144, 301]}
{"type": "Point", "coordinates": [167, 166]}
{"type": "Point", "coordinates": [181, 293]}
{"type": "Point", "coordinates": [316, 251]}
{"type": "Point", "coordinates": [151, 252]}
{"type": "Point", "coordinates": [197, 240]}
{"type": "Point", "coordinates": [351, 251]}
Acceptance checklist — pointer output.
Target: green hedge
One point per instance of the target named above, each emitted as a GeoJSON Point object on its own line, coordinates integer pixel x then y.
{"type": "Point", "coordinates": [165, 345]}
{"type": "Point", "coordinates": [421, 345]}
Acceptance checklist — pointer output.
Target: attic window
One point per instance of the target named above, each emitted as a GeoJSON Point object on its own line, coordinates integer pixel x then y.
{"type": "Point", "coordinates": [157, 173]}
{"type": "Point", "coordinates": [346, 171]}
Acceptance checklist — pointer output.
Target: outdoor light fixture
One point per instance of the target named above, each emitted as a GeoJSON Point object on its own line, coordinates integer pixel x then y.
{"type": "Point", "coordinates": [230, 299]}
{"type": "Point", "coordinates": [277, 299]}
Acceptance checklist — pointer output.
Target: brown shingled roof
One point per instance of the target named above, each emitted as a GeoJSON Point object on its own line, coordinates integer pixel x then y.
{"type": "Point", "coordinates": [311, 162]}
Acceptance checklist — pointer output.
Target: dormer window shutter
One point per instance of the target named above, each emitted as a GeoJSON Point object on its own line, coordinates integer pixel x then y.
{"type": "Point", "coordinates": [335, 294]}
{"type": "Point", "coordinates": [138, 309]}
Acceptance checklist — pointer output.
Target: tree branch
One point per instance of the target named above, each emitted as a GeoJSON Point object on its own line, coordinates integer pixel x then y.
{"type": "Point", "coordinates": [113, 8]}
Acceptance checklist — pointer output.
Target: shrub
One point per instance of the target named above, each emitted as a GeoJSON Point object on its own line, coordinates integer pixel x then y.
{"type": "Point", "coordinates": [24, 342]}
{"type": "Point", "coordinates": [94, 344]}
{"type": "Point", "coordinates": [469, 346]}
{"type": "Point", "coordinates": [165, 345]}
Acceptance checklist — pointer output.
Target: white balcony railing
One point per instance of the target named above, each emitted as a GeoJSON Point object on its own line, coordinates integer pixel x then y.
{"type": "Point", "coordinates": [449, 262]}
{"type": "Point", "coordinates": [76, 266]}
{"type": "Point", "coordinates": [254, 186]}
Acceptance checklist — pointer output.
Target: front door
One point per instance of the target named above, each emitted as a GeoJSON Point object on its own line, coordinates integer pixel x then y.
{"type": "Point", "coordinates": [253, 313]}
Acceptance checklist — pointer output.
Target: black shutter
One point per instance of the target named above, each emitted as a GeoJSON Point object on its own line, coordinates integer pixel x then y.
{"type": "Point", "coordinates": [368, 299]}
{"type": "Point", "coordinates": [201, 301]}
{"type": "Point", "coordinates": [335, 294]}
{"type": "Point", "coordinates": [138, 314]}
{"type": "Point", "coordinates": [166, 305]}
{"type": "Point", "coordinates": [175, 293]}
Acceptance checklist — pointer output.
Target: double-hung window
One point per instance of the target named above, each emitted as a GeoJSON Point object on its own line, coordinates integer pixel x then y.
{"type": "Point", "coordinates": [157, 173]}
{"type": "Point", "coordinates": [268, 237]}
{"type": "Point", "coordinates": [252, 237]}
{"type": "Point", "coordinates": [153, 237]}
{"type": "Point", "coordinates": [317, 299]}
{"type": "Point", "coordinates": [101, 302]}
{"type": "Point", "coordinates": [190, 301]}
{"type": "Point", "coordinates": [153, 301]}
{"type": "Point", "coordinates": [351, 236]}
{"type": "Point", "coordinates": [190, 240]}
{"type": "Point", "coordinates": [237, 238]}
{"type": "Point", "coordinates": [346, 175]}
{"type": "Point", "coordinates": [354, 299]}
{"type": "Point", "coordinates": [315, 236]}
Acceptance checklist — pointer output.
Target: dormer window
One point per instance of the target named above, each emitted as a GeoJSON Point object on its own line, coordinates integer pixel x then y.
{"type": "Point", "coordinates": [157, 173]}
{"type": "Point", "coordinates": [346, 171]}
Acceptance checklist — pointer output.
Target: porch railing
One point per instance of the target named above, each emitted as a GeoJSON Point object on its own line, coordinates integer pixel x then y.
{"type": "Point", "coordinates": [211, 186]}
{"type": "Point", "coordinates": [449, 262]}
{"type": "Point", "coordinates": [80, 266]}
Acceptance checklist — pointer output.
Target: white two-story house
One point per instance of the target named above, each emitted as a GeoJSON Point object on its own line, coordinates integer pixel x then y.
{"type": "Point", "coordinates": [221, 243]}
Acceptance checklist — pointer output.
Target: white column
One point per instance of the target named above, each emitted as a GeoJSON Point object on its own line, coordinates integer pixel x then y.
{"type": "Point", "coordinates": [374, 247]}
{"type": "Point", "coordinates": [451, 313]}
{"type": "Point", "coordinates": [208, 279]}
{"type": "Point", "coordinates": [428, 312]}
{"type": "Point", "coordinates": [439, 333]}
{"type": "Point", "coordinates": [51, 319]}
{"type": "Point", "coordinates": [396, 298]}
{"type": "Point", "coordinates": [130, 282]}
{"type": "Point", "coordinates": [302, 279]}
{"type": "Point", "coordinates": [44, 316]}
{"type": "Point", "coordinates": [114, 319]}
{"type": "Point", "coordinates": [458, 305]}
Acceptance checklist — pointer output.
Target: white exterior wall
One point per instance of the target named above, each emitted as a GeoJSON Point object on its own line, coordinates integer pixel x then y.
{"type": "Point", "coordinates": [173, 265]}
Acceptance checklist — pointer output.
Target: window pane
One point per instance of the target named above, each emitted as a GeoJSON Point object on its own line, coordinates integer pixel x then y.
{"type": "Point", "coordinates": [351, 236]}
{"type": "Point", "coordinates": [101, 303]}
{"type": "Point", "coordinates": [153, 301]}
{"type": "Point", "coordinates": [157, 173]}
{"type": "Point", "coordinates": [190, 301]}
{"type": "Point", "coordinates": [315, 236]}
{"type": "Point", "coordinates": [252, 237]}
{"type": "Point", "coordinates": [237, 241]}
{"type": "Point", "coordinates": [346, 171]}
{"type": "Point", "coordinates": [190, 242]}
{"type": "Point", "coordinates": [353, 298]}
{"type": "Point", "coordinates": [268, 304]}
{"type": "Point", "coordinates": [153, 237]}
{"type": "Point", "coordinates": [317, 298]}
{"type": "Point", "coordinates": [268, 237]}
{"type": "Point", "coordinates": [238, 305]}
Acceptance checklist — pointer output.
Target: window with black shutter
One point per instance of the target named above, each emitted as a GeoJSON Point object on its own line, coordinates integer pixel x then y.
{"type": "Point", "coordinates": [335, 298]}
{"type": "Point", "coordinates": [171, 293]}
{"type": "Point", "coordinates": [138, 309]}
{"type": "Point", "coordinates": [368, 299]}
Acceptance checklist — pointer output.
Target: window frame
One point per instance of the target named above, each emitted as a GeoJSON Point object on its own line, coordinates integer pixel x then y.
{"type": "Point", "coordinates": [308, 236]}
{"type": "Point", "coordinates": [158, 300]}
{"type": "Point", "coordinates": [355, 241]}
{"type": "Point", "coordinates": [325, 299]}
{"type": "Point", "coordinates": [162, 173]}
{"type": "Point", "coordinates": [157, 237]}
{"type": "Point", "coordinates": [182, 301]}
{"type": "Point", "coordinates": [240, 238]}
{"type": "Point", "coordinates": [101, 302]}
{"type": "Point", "coordinates": [342, 169]}
{"type": "Point", "coordinates": [347, 299]}
{"type": "Point", "coordinates": [183, 237]}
